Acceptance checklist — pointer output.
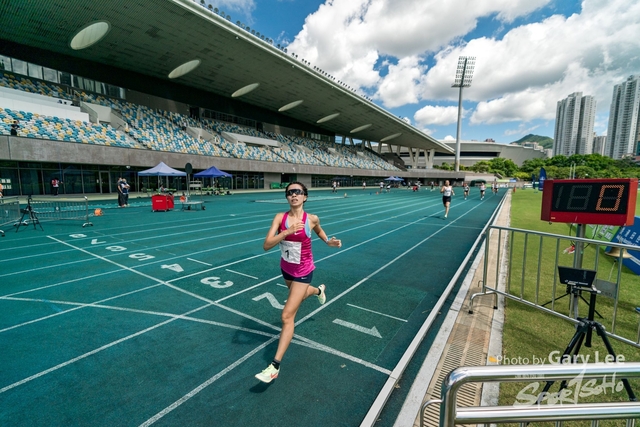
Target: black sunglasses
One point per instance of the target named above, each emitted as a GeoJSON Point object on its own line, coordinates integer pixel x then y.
{"type": "Point", "coordinates": [295, 191]}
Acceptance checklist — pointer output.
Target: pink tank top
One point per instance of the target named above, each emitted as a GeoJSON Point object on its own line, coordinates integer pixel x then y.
{"type": "Point", "coordinates": [296, 257]}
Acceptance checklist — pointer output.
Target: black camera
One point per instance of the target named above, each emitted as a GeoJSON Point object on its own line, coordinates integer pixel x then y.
{"type": "Point", "coordinates": [577, 277]}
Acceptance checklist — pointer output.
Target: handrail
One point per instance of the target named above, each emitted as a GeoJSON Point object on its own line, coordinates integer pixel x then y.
{"type": "Point", "coordinates": [450, 415]}
{"type": "Point", "coordinates": [424, 406]}
{"type": "Point", "coordinates": [519, 414]}
{"type": "Point", "coordinates": [574, 238]}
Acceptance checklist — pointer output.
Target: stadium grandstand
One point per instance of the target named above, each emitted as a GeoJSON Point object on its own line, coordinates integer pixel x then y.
{"type": "Point", "coordinates": [102, 90]}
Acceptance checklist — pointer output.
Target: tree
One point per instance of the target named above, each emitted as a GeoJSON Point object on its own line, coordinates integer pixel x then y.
{"type": "Point", "coordinates": [505, 167]}
{"type": "Point", "coordinates": [522, 176]}
{"type": "Point", "coordinates": [585, 172]}
{"type": "Point", "coordinates": [597, 162]}
{"type": "Point", "coordinates": [481, 167]}
{"type": "Point", "coordinates": [532, 165]}
{"type": "Point", "coordinates": [559, 161]}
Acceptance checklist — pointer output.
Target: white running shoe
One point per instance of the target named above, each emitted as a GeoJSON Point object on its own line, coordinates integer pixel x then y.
{"type": "Point", "coordinates": [322, 297]}
{"type": "Point", "coordinates": [269, 374]}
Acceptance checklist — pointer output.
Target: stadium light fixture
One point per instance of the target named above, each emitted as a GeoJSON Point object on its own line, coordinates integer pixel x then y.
{"type": "Point", "coordinates": [464, 74]}
{"type": "Point", "coordinates": [245, 90]}
{"type": "Point", "coordinates": [290, 105]}
{"type": "Point", "coordinates": [90, 35]}
{"type": "Point", "coordinates": [390, 137]}
{"type": "Point", "coordinates": [329, 117]}
{"type": "Point", "coordinates": [359, 128]}
{"type": "Point", "coordinates": [183, 69]}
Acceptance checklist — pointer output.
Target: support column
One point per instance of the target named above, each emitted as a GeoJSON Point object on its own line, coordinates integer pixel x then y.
{"type": "Point", "coordinates": [412, 158]}
{"type": "Point", "coordinates": [429, 158]}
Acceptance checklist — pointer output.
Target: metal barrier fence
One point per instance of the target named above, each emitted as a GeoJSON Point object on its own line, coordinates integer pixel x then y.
{"type": "Point", "coordinates": [39, 210]}
{"type": "Point", "coordinates": [527, 265]}
{"type": "Point", "coordinates": [451, 415]}
{"type": "Point", "coordinates": [9, 212]}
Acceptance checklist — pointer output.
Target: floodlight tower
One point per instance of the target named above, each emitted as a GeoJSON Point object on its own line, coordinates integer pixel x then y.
{"type": "Point", "coordinates": [464, 74]}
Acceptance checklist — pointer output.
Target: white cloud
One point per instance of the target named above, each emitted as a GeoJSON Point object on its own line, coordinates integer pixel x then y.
{"type": "Point", "coordinates": [400, 85]}
{"type": "Point", "coordinates": [434, 115]}
{"type": "Point", "coordinates": [518, 77]}
{"type": "Point", "coordinates": [342, 33]}
{"type": "Point", "coordinates": [522, 130]}
{"type": "Point", "coordinates": [449, 138]}
{"type": "Point", "coordinates": [523, 75]}
{"type": "Point", "coordinates": [244, 7]}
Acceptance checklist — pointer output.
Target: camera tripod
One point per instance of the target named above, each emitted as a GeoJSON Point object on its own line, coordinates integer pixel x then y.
{"type": "Point", "coordinates": [584, 333]}
{"type": "Point", "coordinates": [576, 293]}
{"type": "Point", "coordinates": [32, 217]}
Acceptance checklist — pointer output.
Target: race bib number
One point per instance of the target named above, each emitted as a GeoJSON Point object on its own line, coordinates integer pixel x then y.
{"type": "Point", "coordinates": [291, 251]}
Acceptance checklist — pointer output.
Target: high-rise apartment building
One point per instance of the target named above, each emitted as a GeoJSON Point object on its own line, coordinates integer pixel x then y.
{"type": "Point", "coordinates": [599, 144]}
{"type": "Point", "coordinates": [575, 116]}
{"type": "Point", "coordinates": [623, 138]}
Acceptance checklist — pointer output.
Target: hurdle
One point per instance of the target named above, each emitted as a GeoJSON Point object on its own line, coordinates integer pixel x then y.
{"type": "Point", "coordinates": [9, 212]}
{"type": "Point", "coordinates": [43, 209]}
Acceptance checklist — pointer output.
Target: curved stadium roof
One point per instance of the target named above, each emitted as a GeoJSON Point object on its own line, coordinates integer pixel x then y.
{"type": "Point", "coordinates": [157, 37]}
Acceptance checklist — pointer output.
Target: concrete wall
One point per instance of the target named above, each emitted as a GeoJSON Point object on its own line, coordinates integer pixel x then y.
{"type": "Point", "coordinates": [17, 100]}
{"type": "Point", "coordinates": [516, 153]}
{"type": "Point", "coordinates": [271, 177]}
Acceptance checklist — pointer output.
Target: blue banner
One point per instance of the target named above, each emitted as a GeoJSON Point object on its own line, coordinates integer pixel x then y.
{"type": "Point", "coordinates": [630, 235]}
{"type": "Point", "coordinates": [543, 177]}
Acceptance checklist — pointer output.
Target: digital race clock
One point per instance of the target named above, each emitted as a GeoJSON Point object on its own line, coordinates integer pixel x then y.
{"type": "Point", "coordinates": [590, 201]}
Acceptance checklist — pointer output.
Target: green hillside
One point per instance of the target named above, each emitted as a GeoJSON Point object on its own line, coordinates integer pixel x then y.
{"type": "Point", "coordinates": [543, 141]}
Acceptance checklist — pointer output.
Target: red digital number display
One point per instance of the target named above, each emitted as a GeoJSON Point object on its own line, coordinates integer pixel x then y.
{"type": "Point", "coordinates": [590, 201]}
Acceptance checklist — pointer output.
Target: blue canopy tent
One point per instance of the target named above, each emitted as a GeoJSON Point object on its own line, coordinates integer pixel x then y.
{"type": "Point", "coordinates": [394, 178]}
{"type": "Point", "coordinates": [212, 172]}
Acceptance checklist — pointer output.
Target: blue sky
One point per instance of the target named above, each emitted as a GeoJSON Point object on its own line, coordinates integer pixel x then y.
{"type": "Point", "coordinates": [403, 54]}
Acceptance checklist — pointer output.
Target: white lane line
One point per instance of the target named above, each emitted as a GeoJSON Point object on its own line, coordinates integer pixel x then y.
{"type": "Point", "coordinates": [319, 260]}
{"type": "Point", "coordinates": [394, 260]}
{"type": "Point", "coordinates": [92, 352]}
{"type": "Point", "coordinates": [166, 283]}
{"type": "Point", "coordinates": [241, 274]}
{"type": "Point", "coordinates": [70, 310]}
{"type": "Point", "coordinates": [204, 299]}
{"type": "Point", "coordinates": [205, 384]}
{"type": "Point", "coordinates": [79, 279]}
{"type": "Point", "coordinates": [201, 262]}
{"type": "Point", "coordinates": [376, 312]}
{"type": "Point", "coordinates": [139, 311]}
{"type": "Point", "coordinates": [377, 213]}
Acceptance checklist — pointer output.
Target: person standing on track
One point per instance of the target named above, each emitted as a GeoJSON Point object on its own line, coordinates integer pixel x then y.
{"type": "Point", "coordinates": [292, 231]}
{"type": "Point", "coordinates": [482, 190]}
{"type": "Point", "coordinates": [55, 186]}
{"type": "Point", "coordinates": [447, 192]}
{"type": "Point", "coordinates": [466, 190]}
